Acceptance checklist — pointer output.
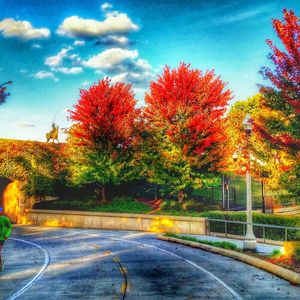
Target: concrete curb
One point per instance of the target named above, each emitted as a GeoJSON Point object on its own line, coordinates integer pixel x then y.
{"type": "Point", "coordinates": [286, 274]}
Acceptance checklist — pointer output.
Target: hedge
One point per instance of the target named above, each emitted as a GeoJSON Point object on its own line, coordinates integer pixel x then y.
{"type": "Point", "coordinates": [35, 163]}
{"type": "Point", "coordinates": [270, 233]}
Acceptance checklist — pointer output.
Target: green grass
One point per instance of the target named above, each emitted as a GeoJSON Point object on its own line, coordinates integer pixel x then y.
{"type": "Point", "coordinates": [117, 205]}
{"type": "Point", "coordinates": [275, 253]}
{"type": "Point", "coordinates": [223, 244]}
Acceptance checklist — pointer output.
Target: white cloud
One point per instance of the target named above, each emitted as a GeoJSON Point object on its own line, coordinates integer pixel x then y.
{"type": "Point", "coordinates": [106, 6]}
{"type": "Point", "coordinates": [26, 124]}
{"type": "Point", "coordinates": [111, 58]}
{"type": "Point", "coordinates": [56, 60]}
{"type": "Point", "coordinates": [44, 74]}
{"type": "Point", "coordinates": [36, 46]}
{"type": "Point", "coordinates": [120, 39]}
{"type": "Point", "coordinates": [244, 15]}
{"type": "Point", "coordinates": [113, 39]}
{"type": "Point", "coordinates": [22, 30]}
{"type": "Point", "coordinates": [86, 83]}
{"type": "Point", "coordinates": [136, 78]}
{"type": "Point", "coordinates": [122, 65]}
{"type": "Point", "coordinates": [78, 43]}
{"type": "Point", "coordinates": [73, 70]}
{"type": "Point", "coordinates": [23, 71]}
{"type": "Point", "coordinates": [114, 22]}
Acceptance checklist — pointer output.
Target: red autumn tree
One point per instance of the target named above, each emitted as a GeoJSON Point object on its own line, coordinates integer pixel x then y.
{"type": "Point", "coordinates": [103, 134]}
{"type": "Point", "coordinates": [184, 117]}
{"type": "Point", "coordinates": [282, 126]}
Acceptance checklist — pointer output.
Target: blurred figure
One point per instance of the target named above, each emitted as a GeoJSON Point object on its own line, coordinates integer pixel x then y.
{"type": "Point", "coordinates": [5, 231]}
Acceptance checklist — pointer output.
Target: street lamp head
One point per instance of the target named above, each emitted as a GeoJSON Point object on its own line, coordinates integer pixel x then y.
{"type": "Point", "coordinates": [247, 124]}
{"type": "Point", "coordinates": [235, 156]}
{"type": "Point", "coordinates": [8, 82]}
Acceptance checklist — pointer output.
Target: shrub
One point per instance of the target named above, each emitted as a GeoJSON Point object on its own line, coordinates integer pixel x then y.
{"type": "Point", "coordinates": [186, 208]}
{"type": "Point", "coordinates": [275, 253]}
{"type": "Point", "coordinates": [38, 164]}
{"type": "Point", "coordinates": [118, 205]}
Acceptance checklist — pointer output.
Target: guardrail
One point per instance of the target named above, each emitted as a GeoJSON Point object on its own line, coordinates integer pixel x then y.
{"type": "Point", "coordinates": [288, 233]}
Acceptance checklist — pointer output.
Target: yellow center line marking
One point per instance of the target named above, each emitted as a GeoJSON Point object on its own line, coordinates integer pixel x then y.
{"type": "Point", "coordinates": [123, 271]}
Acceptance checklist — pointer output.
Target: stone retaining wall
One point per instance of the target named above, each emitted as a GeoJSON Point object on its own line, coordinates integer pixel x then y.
{"type": "Point", "coordinates": [117, 221]}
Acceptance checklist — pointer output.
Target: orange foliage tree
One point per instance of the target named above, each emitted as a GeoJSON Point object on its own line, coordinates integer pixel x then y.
{"type": "Point", "coordinates": [282, 126]}
{"type": "Point", "coordinates": [184, 127]}
{"type": "Point", "coordinates": [103, 136]}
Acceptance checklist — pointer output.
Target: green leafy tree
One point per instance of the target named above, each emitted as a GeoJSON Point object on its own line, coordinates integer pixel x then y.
{"type": "Point", "coordinates": [102, 140]}
{"type": "Point", "coordinates": [184, 128]}
{"type": "Point", "coordinates": [265, 160]}
{"type": "Point", "coordinates": [38, 165]}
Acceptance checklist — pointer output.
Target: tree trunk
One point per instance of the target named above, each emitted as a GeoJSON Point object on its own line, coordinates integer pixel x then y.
{"type": "Point", "coordinates": [180, 196]}
{"type": "Point", "coordinates": [103, 194]}
{"type": "Point", "coordinates": [156, 193]}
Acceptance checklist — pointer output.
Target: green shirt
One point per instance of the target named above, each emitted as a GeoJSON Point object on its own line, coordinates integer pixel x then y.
{"type": "Point", "coordinates": [5, 227]}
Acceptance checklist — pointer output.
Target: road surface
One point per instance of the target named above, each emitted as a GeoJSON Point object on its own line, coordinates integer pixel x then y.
{"type": "Point", "coordinates": [62, 263]}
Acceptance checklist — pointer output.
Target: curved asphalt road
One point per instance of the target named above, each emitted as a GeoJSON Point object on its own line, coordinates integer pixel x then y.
{"type": "Point", "coordinates": [98, 264]}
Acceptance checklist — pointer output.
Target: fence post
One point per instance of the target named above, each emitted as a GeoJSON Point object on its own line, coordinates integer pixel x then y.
{"type": "Point", "coordinates": [223, 191]}
{"type": "Point", "coordinates": [234, 189]}
{"type": "Point", "coordinates": [285, 234]}
{"type": "Point", "coordinates": [207, 222]}
{"type": "Point", "coordinates": [225, 229]}
{"type": "Point", "coordinates": [264, 234]}
{"type": "Point", "coordinates": [263, 196]}
{"type": "Point", "coordinates": [244, 233]}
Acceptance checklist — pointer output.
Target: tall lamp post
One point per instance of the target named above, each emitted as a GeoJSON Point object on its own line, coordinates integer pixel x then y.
{"type": "Point", "coordinates": [5, 83]}
{"type": "Point", "coordinates": [3, 95]}
{"type": "Point", "coordinates": [249, 241]}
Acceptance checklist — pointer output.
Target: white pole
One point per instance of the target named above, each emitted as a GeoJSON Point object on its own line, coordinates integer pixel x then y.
{"type": "Point", "coordinates": [249, 241]}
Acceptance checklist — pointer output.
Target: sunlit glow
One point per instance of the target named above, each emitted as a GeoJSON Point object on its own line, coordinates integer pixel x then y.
{"type": "Point", "coordinates": [289, 248]}
{"type": "Point", "coordinates": [57, 223]}
{"type": "Point", "coordinates": [11, 196]}
{"type": "Point", "coordinates": [161, 225]}
{"type": "Point", "coordinates": [129, 236]}
{"type": "Point", "coordinates": [24, 220]}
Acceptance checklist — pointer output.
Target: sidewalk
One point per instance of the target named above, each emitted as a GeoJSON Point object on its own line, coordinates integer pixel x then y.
{"type": "Point", "coordinates": [261, 248]}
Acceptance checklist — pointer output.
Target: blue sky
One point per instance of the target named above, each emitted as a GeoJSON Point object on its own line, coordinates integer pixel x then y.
{"type": "Point", "coordinates": [52, 48]}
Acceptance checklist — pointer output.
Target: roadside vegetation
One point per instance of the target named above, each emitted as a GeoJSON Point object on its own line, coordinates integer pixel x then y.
{"type": "Point", "coordinates": [289, 258]}
{"type": "Point", "coordinates": [223, 244]}
{"type": "Point", "coordinates": [118, 205]}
